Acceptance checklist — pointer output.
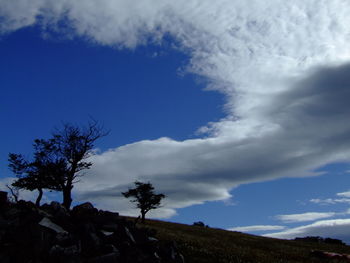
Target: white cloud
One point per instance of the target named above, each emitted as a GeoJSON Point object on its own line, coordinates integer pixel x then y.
{"type": "Point", "coordinates": [337, 228]}
{"type": "Point", "coordinates": [344, 194]}
{"type": "Point", "coordinates": [304, 217]}
{"type": "Point", "coordinates": [287, 113]}
{"type": "Point", "coordinates": [330, 201]}
{"type": "Point", "coordinates": [256, 228]}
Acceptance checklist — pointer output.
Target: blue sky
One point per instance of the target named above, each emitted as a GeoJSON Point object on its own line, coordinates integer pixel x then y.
{"type": "Point", "coordinates": [237, 112]}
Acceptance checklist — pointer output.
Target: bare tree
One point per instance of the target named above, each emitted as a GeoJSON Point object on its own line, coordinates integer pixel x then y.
{"type": "Point", "coordinates": [14, 193]}
{"type": "Point", "coordinates": [144, 197]}
{"type": "Point", "coordinates": [73, 145]}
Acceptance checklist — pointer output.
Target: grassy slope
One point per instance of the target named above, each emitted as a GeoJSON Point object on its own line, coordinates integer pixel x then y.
{"type": "Point", "coordinates": [199, 244]}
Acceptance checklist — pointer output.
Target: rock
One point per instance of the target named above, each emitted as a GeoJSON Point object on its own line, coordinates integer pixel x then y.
{"type": "Point", "coordinates": [107, 233]}
{"type": "Point", "coordinates": [111, 217]}
{"type": "Point", "coordinates": [60, 254]}
{"type": "Point", "coordinates": [169, 252]}
{"type": "Point", "coordinates": [59, 210]}
{"type": "Point", "coordinates": [4, 223]}
{"type": "Point", "coordinates": [3, 199]}
{"type": "Point", "coordinates": [129, 235]}
{"type": "Point", "coordinates": [83, 207]}
{"type": "Point", "coordinates": [12, 213]}
{"type": "Point", "coordinates": [89, 239]}
{"type": "Point", "coordinates": [180, 258]}
{"type": "Point", "coordinates": [152, 239]}
{"type": "Point", "coordinates": [5, 258]}
{"type": "Point", "coordinates": [109, 248]}
{"type": "Point", "coordinates": [53, 234]}
{"type": "Point", "coordinates": [45, 222]}
{"type": "Point", "coordinates": [85, 211]}
{"type": "Point", "coordinates": [110, 227]}
{"type": "Point", "coordinates": [108, 258]}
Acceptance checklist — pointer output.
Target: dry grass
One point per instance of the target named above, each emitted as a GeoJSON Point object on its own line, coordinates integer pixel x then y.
{"type": "Point", "coordinates": [200, 244]}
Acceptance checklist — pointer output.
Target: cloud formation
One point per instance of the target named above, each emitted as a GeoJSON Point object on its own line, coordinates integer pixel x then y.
{"type": "Point", "coordinates": [337, 228]}
{"type": "Point", "coordinates": [256, 228]}
{"type": "Point", "coordinates": [281, 65]}
{"type": "Point", "coordinates": [304, 217]}
{"type": "Point", "coordinates": [342, 198]}
{"type": "Point", "coordinates": [344, 194]}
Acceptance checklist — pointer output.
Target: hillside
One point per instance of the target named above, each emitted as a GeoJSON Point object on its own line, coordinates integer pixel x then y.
{"type": "Point", "coordinates": [200, 244]}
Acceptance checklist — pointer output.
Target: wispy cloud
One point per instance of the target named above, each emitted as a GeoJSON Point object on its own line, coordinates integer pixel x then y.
{"type": "Point", "coordinates": [337, 228]}
{"type": "Point", "coordinates": [256, 228]}
{"type": "Point", "coordinates": [343, 198]}
{"type": "Point", "coordinates": [278, 64]}
{"type": "Point", "coordinates": [330, 201]}
{"type": "Point", "coordinates": [304, 217]}
{"type": "Point", "coordinates": [344, 194]}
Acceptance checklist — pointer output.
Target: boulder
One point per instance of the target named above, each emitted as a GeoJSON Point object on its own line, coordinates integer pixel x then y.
{"type": "Point", "coordinates": [45, 222]}
{"type": "Point", "coordinates": [3, 199]}
{"type": "Point", "coordinates": [85, 211]}
{"type": "Point", "coordinates": [53, 234]}
{"type": "Point", "coordinates": [108, 258]}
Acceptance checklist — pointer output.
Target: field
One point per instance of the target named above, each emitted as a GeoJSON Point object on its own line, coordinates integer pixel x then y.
{"type": "Point", "coordinates": [200, 244]}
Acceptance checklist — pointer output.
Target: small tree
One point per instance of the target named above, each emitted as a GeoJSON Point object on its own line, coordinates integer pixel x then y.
{"type": "Point", "coordinates": [37, 174]}
{"type": "Point", "coordinates": [144, 197]}
{"type": "Point", "coordinates": [58, 161]}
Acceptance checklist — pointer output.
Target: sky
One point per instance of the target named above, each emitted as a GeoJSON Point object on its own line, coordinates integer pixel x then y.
{"type": "Point", "coordinates": [236, 110]}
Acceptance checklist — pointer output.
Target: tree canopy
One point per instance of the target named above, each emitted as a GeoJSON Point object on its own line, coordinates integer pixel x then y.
{"type": "Point", "coordinates": [144, 197]}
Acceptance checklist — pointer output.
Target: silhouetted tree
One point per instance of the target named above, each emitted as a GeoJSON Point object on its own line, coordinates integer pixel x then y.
{"type": "Point", "coordinates": [73, 146]}
{"type": "Point", "coordinates": [38, 174]}
{"type": "Point", "coordinates": [144, 197]}
{"type": "Point", "coordinates": [58, 161]}
{"type": "Point", "coordinates": [14, 193]}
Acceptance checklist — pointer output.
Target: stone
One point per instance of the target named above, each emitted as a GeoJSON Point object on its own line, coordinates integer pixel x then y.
{"type": "Point", "coordinates": [109, 248]}
{"type": "Point", "coordinates": [3, 199]}
{"type": "Point", "coordinates": [180, 258]}
{"type": "Point", "coordinates": [59, 209]}
{"type": "Point", "coordinates": [44, 213]}
{"type": "Point", "coordinates": [59, 254]}
{"type": "Point", "coordinates": [45, 222]}
{"type": "Point", "coordinates": [129, 235]}
{"type": "Point", "coordinates": [89, 239]}
{"type": "Point", "coordinates": [152, 239]}
{"type": "Point", "coordinates": [85, 211]}
{"type": "Point", "coordinates": [108, 258]}
{"type": "Point", "coordinates": [110, 227]}
{"type": "Point", "coordinates": [31, 234]}
{"type": "Point", "coordinates": [111, 217]}
{"type": "Point", "coordinates": [84, 206]}
{"type": "Point", "coordinates": [4, 223]}
{"type": "Point", "coordinates": [5, 258]}
{"type": "Point", "coordinates": [107, 233]}
{"type": "Point", "coordinates": [12, 213]}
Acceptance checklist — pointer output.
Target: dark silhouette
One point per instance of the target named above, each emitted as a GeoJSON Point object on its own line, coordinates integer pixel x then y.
{"type": "Point", "coordinates": [14, 193]}
{"type": "Point", "coordinates": [37, 174]}
{"type": "Point", "coordinates": [58, 161]}
{"type": "Point", "coordinates": [317, 239]}
{"type": "Point", "coordinates": [200, 224]}
{"type": "Point", "coordinates": [144, 196]}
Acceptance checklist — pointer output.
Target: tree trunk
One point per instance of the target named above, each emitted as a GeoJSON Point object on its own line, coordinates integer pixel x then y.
{"type": "Point", "coordinates": [67, 197]}
{"type": "Point", "coordinates": [38, 199]}
{"type": "Point", "coordinates": [143, 214]}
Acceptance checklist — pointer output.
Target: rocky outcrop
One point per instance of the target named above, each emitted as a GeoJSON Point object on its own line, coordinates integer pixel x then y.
{"type": "Point", "coordinates": [85, 234]}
